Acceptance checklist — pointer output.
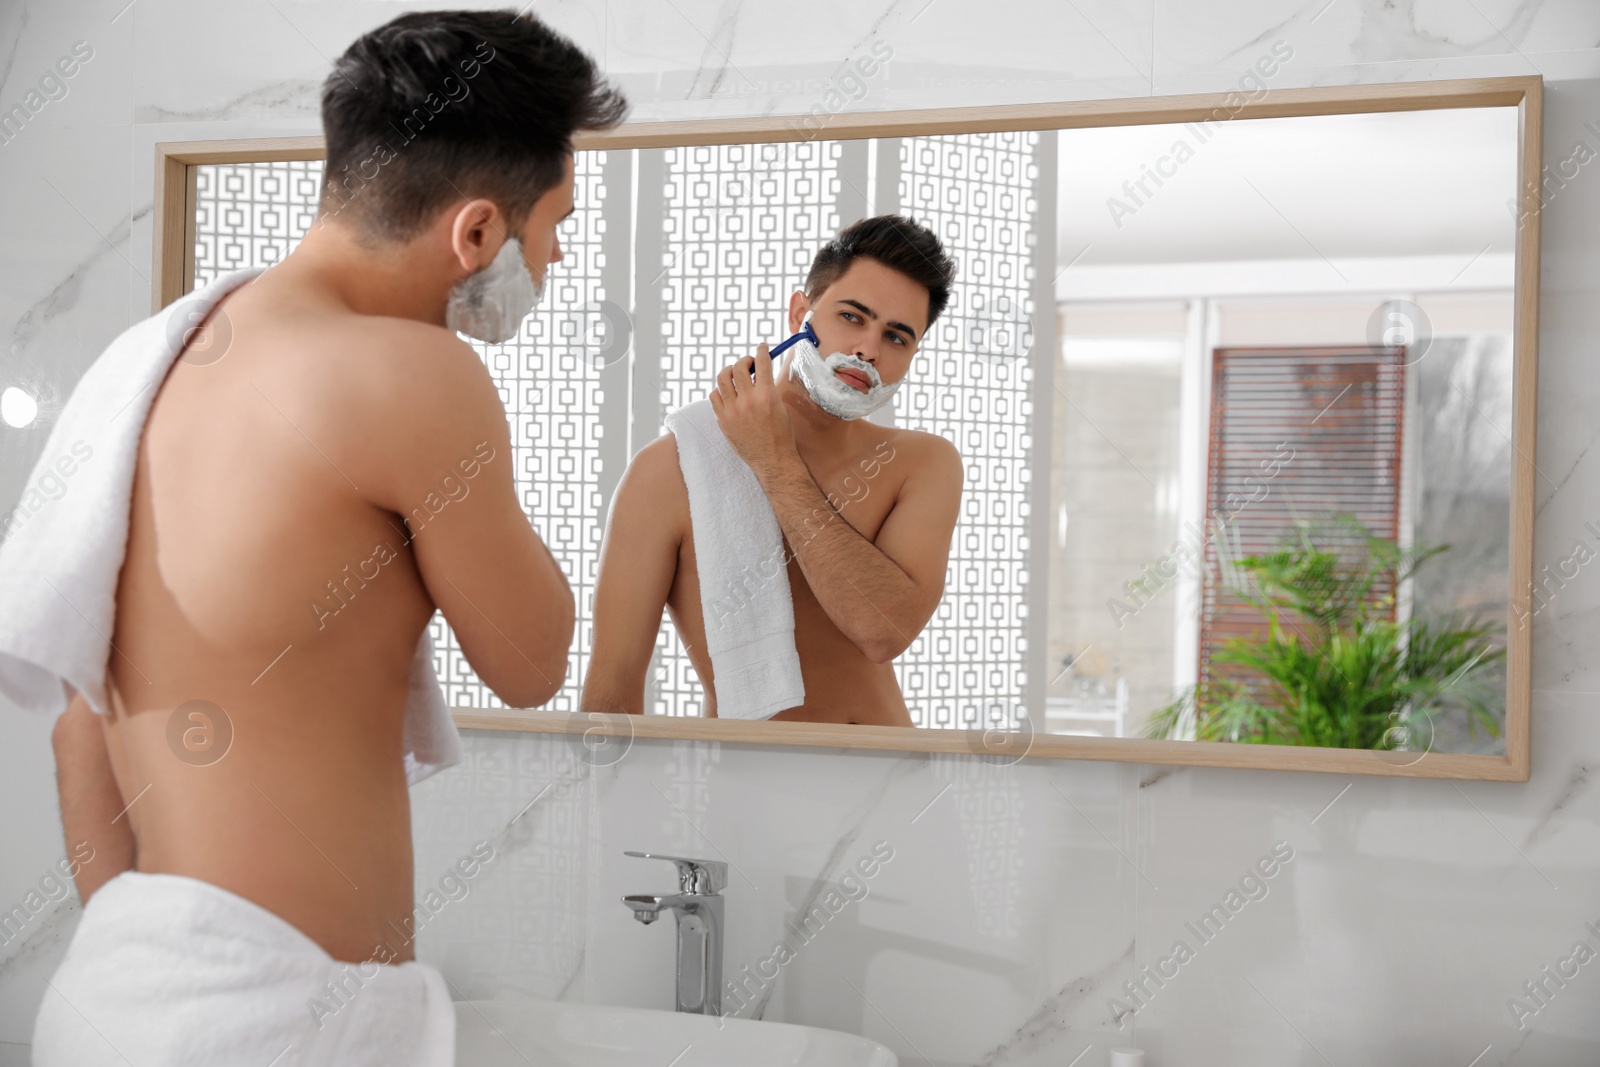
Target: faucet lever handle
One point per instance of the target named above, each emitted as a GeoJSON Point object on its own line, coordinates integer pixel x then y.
{"type": "Point", "coordinates": [701, 877]}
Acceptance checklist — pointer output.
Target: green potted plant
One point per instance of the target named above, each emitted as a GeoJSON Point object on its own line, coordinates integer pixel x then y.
{"type": "Point", "coordinates": [1333, 669]}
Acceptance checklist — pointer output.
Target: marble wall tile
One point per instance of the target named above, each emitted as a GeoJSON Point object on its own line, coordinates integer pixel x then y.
{"type": "Point", "coordinates": [203, 62]}
{"type": "Point", "coordinates": [30, 844]}
{"type": "Point", "coordinates": [67, 271]}
{"type": "Point", "coordinates": [512, 923]}
{"type": "Point", "coordinates": [1219, 34]}
{"type": "Point", "coordinates": [38, 37]}
{"type": "Point", "coordinates": [1417, 907]}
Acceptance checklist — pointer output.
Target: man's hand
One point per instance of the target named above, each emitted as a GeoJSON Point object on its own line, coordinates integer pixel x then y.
{"type": "Point", "coordinates": [752, 415]}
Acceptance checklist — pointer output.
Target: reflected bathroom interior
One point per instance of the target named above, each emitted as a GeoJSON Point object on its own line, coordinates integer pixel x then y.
{"type": "Point", "coordinates": [1224, 301]}
{"type": "Point", "coordinates": [1287, 329]}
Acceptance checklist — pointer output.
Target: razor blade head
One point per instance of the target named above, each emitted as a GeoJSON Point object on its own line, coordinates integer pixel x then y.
{"type": "Point", "coordinates": [806, 334]}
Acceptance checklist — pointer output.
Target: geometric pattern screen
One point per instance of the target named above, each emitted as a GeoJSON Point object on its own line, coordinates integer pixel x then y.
{"type": "Point", "coordinates": [251, 214]}
{"type": "Point", "coordinates": [738, 227]}
{"type": "Point", "coordinates": [972, 385]}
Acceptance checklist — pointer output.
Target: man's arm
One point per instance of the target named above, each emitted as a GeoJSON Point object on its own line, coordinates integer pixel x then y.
{"type": "Point", "coordinates": [638, 562]}
{"type": "Point", "coordinates": [437, 453]}
{"type": "Point", "coordinates": [880, 594]}
{"type": "Point", "coordinates": [100, 842]}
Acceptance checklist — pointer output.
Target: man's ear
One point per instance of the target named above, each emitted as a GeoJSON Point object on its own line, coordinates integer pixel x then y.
{"type": "Point", "coordinates": [798, 306]}
{"type": "Point", "coordinates": [477, 230]}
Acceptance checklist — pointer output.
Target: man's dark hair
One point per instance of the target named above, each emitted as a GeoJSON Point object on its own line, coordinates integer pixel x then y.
{"type": "Point", "coordinates": [437, 105]}
{"type": "Point", "coordinates": [899, 244]}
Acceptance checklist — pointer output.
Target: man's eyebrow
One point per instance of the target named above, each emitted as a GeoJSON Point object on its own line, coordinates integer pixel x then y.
{"type": "Point", "coordinates": [569, 213]}
{"type": "Point", "coordinates": [869, 313]}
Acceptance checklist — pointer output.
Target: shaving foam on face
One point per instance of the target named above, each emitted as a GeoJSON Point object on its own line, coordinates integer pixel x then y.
{"type": "Point", "coordinates": [490, 304]}
{"type": "Point", "coordinates": [826, 389]}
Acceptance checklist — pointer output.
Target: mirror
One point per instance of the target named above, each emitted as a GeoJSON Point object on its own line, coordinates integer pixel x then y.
{"type": "Point", "coordinates": [1281, 449]}
{"type": "Point", "coordinates": [1242, 396]}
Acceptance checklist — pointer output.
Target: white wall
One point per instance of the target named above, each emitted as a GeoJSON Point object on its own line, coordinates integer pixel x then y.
{"type": "Point", "coordinates": [1019, 898]}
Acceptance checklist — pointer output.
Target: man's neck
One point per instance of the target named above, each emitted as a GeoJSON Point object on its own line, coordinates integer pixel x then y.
{"type": "Point", "coordinates": [394, 280]}
{"type": "Point", "coordinates": [816, 433]}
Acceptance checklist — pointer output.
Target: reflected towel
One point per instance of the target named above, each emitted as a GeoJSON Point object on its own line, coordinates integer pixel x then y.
{"type": "Point", "coordinates": [170, 970]}
{"type": "Point", "coordinates": [59, 567]}
{"type": "Point", "coordinates": [744, 578]}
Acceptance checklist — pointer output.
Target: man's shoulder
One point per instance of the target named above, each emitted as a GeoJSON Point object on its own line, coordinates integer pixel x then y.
{"type": "Point", "coordinates": [399, 399]}
{"type": "Point", "coordinates": [413, 355]}
{"type": "Point", "coordinates": [362, 362]}
{"type": "Point", "coordinates": [655, 473]}
{"type": "Point", "coordinates": [658, 455]}
{"type": "Point", "coordinates": [408, 378]}
{"type": "Point", "coordinates": [924, 450]}
{"type": "Point", "coordinates": [651, 504]}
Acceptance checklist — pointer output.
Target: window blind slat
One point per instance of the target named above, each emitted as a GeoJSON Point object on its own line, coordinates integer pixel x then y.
{"type": "Point", "coordinates": [1341, 410]}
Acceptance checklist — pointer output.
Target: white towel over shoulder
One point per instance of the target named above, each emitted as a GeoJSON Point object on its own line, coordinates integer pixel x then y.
{"type": "Point", "coordinates": [60, 565]}
{"type": "Point", "coordinates": [744, 577]}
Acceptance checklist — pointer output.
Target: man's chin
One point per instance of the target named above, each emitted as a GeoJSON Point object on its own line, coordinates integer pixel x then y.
{"type": "Point", "coordinates": [803, 399]}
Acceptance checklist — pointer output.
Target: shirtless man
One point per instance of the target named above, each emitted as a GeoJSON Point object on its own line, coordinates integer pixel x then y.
{"type": "Point", "coordinates": [867, 578]}
{"type": "Point", "coordinates": [343, 401]}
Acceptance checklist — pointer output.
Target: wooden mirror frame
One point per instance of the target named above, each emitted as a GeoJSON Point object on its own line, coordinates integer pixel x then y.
{"type": "Point", "coordinates": [174, 270]}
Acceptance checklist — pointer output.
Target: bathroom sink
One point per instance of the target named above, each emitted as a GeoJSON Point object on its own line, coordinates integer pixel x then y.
{"type": "Point", "coordinates": [517, 1033]}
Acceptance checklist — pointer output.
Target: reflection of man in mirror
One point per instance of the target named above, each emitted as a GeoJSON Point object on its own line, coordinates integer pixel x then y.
{"type": "Point", "coordinates": [799, 547]}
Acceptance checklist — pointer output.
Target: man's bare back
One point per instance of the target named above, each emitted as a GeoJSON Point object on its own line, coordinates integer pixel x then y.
{"type": "Point", "coordinates": [300, 507]}
{"type": "Point", "coordinates": [260, 504]}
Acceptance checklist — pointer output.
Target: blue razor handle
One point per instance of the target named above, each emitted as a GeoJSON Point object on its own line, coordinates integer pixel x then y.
{"type": "Point", "coordinates": [806, 332]}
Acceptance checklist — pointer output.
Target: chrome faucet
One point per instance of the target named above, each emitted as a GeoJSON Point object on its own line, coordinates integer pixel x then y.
{"type": "Point", "coordinates": [698, 908]}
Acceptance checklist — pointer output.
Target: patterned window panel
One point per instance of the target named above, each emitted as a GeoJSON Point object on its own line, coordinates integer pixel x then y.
{"type": "Point", "coordinates": [251, 214]}
{"type": "Point", "coordinates": [976, 191]}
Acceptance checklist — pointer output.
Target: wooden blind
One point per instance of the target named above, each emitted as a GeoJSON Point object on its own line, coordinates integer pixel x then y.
{"type": "Point", "coordinates": [1341, 411]}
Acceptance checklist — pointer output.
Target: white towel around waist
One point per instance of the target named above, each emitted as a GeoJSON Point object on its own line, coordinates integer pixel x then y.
{"type": "Point", "coordinates": [744, 579]}
{"type": "Point", "coordinates": [60, 563]}
{"type": "Point", "coordinates": [165, 969]}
